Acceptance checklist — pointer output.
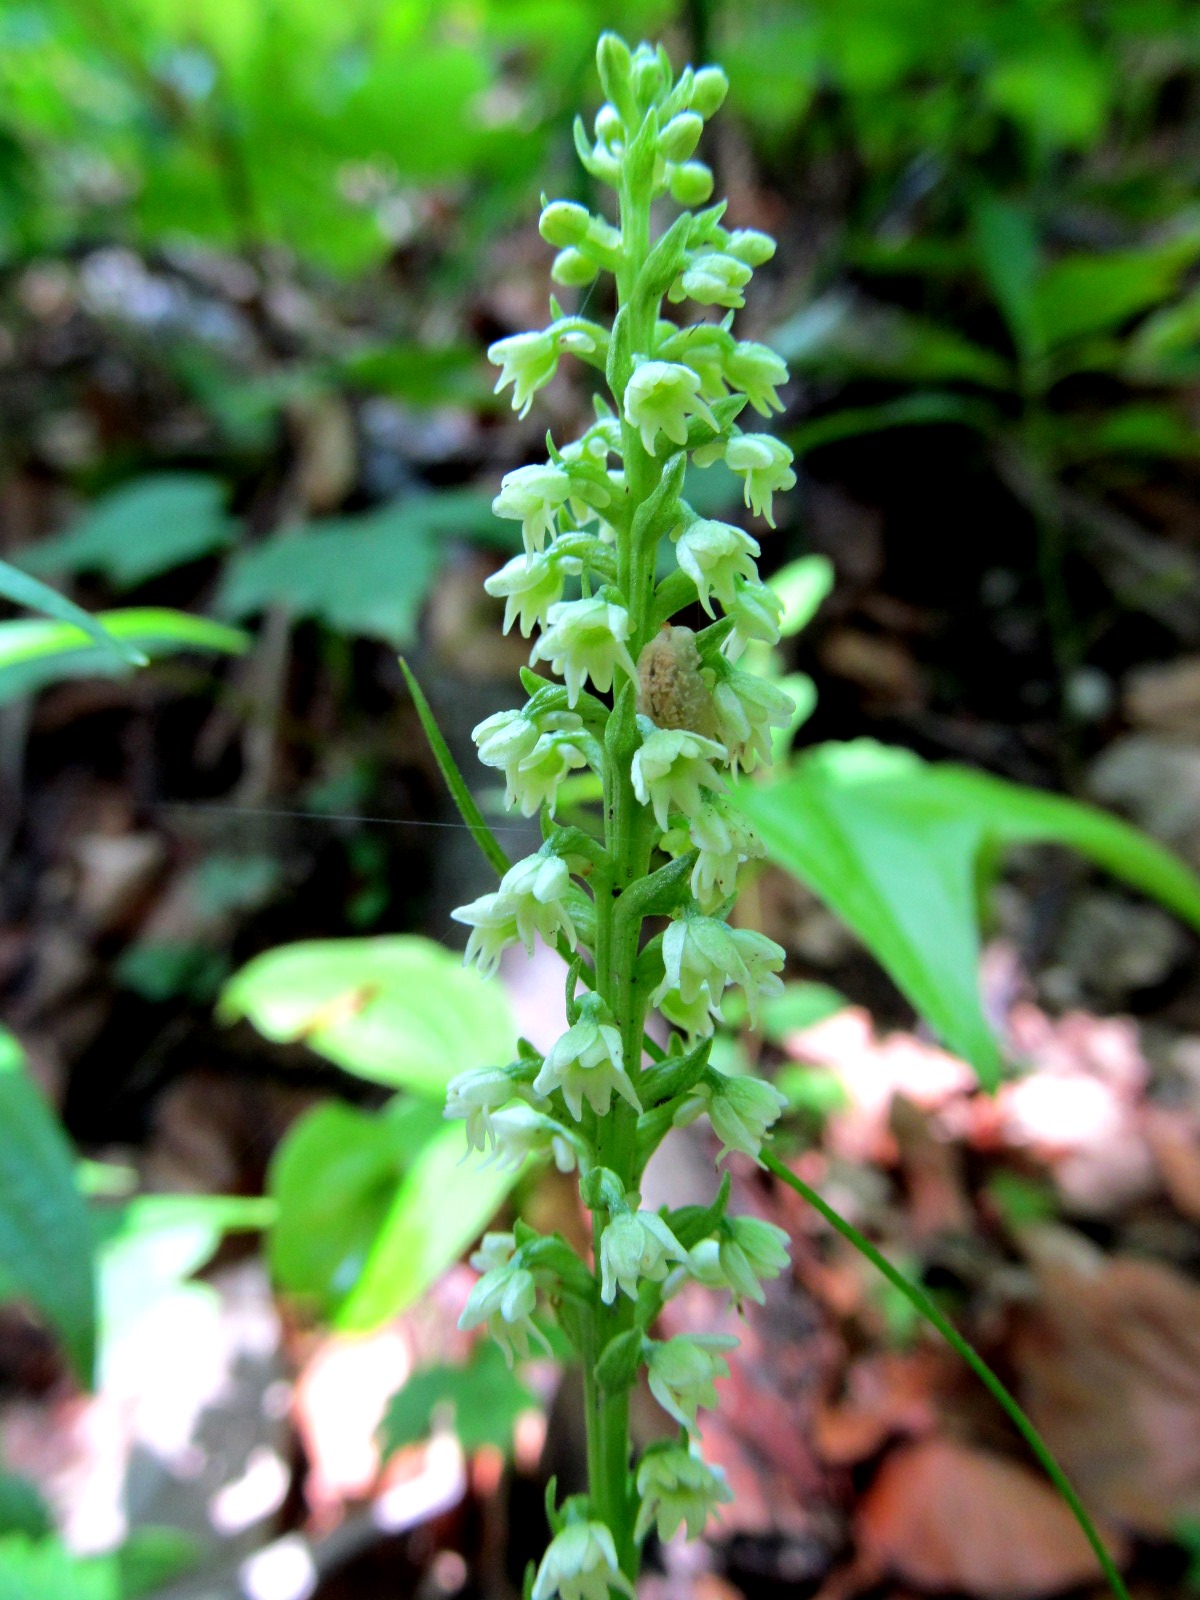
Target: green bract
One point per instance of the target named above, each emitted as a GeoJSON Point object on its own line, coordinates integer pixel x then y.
{"type": "Point", "coordinates": [593, 518]}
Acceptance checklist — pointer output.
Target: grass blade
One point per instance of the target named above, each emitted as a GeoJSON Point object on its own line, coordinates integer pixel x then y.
{"type": "Point", "coordinates": [921, 1303]}
{"type": "Point", "coordinates": [455, 782]}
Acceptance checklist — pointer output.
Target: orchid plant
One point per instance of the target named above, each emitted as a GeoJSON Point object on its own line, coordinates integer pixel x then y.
{"type": "Point", "coordinates": [683, 718]}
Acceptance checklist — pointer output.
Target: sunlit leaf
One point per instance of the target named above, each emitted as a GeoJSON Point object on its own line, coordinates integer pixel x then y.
{"type": "Point", "coordinates": [400, 1011]}
{"type": "Point", "coordinates": [30, 592]}
{"type": "Point", "coordinates": [893, 844]}
{"type": "Point", "coordinates": [35, 653]}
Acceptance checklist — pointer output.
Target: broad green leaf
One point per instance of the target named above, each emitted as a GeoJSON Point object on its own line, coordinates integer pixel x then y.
{"type": "Point", "coordinates": [34, 654]}
{"type": "Point", "coordinates": [1007, 248]}
{"type": "Point", "coordinates": [400, 1010]}
{"type": "Point", "coordinates": [1059, 93]}
{"type": "Point", "coordinates": [358, 575]}
{"type": "Point", "coordinates": [23, 590]}
{"type": "Point", "coordinates": [44, 1569]}
{"type": "Point", "coordinates": [22, 1509]}
{"type": "Point", "coordinates": [1082, 295]}
{"type": "Point", "coordinates": [442, 1205]}
{"type": "Point", "coordinates": [842, 334]}
{"type": "Point", "coordinates": [45, 1235]}
{"type": "Point", "coordinates": [922, 410]}
{"type": "Point", "coordinates": [141, 529]}
{"type": "Point", "coordinates": [483, 1400]}
{"type": "Point", "coordinates": [334, 1178]}
{"type": "Point", "coordinates": [893, 844]}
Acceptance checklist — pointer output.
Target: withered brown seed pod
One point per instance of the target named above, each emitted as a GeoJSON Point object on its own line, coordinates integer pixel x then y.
{"type": "Point", "coordinates": [671, 687]}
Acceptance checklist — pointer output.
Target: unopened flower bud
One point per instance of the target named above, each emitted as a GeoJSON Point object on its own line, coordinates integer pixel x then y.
{"type": "Point", "coordinates": [614, 64]}
{"type": "Point", "coordinates": [563, 223]}
{"type": "Point", "coordinates": [647, 77]}
{"type": "Point", "coordinates": [713, 280]}
{"type": "Point", "coordinates": [660, 397]}
{"type": "Point", "coordinates": [679, 138]}
{"type": "Point", "coordinates": [609, 129]}
{"type": "Point", "coordinates": [750, 246]}
{"type": "Point", "coordinates": [709, 88]}
{"type": "Point", "coordinates": [690, 183]}
{"type": "Point", "coordinates": [573, 269]}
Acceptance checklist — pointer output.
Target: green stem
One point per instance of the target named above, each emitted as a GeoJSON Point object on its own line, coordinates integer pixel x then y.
{"type": "Point", "coordinates": [628, 838]}
{"type": "Point", "coordinates": [921, 1302]}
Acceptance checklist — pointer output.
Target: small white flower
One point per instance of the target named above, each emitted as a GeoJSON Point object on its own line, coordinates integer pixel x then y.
{"type": "Point", "coordinates": [495, 1250]}
{"type": "Point", "coordinates": [532, 496]}
{"type": "Point", "coordinates": [586, 639]}
{"type": "Point", "coordinates": [756, 613]}
{"type": "Point", "coordinates": [694, 1017]}
{"type": "Point", "coordinates": [581, 1564]}
{"type": "Point", "coordinates": [477, 1096]}
{"type": "Point", "coordinates": [742, 1112]}
{"type": "Point", "coordinates": [748, 1252]}
{"type": "Point", "coordinates": [538, 886]}
{"type": "Point", "coordinates": [713, 279]}
{"type": "Point", "coordinates": [725, 839]}
{"type": "Point", "coordinates": [518, 1132]}
{"type": "Point", "coordinates": [534, 756]}
{"type": "Point", "coordinates": [700, 957]}
{"type": "Point", "coordinates": [528, 902]}
{"type": "Point", "coordinates": [677, 1489]}
{"type": "Point", "coordinates": [633, 1246]}
{"type": "Point", "coordinates": [714, 555]}
{"type": "Point", "coordinates": [747, 708]}
{"type": "Point", "coordinates": [766, 465]}
{"type": "Point", "coordinates": [587, 1063]}
{"type": "Point", "coordinates": [660, 397]}
{"type": "Point", "coordinates": [672, 767]}
{"type": "Point", "coordinates": [529, 586]}
{"type": "Point", "coordinates": [505, 1298]}
{"type": "Point", "coordinates": [682, 1373]}
{"type": "Point", "coordinates": [526, 360]}
{"type": "Point", "coordinates": [757, 371]}
{"type": "Point", "coordinates": [536, 779]}
{"type": "Point", "coordinates": [763, 960]}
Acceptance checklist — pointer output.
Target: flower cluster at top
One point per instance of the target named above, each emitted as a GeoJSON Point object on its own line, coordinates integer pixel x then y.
{"type": "Point", "coordinates": [639, 907]}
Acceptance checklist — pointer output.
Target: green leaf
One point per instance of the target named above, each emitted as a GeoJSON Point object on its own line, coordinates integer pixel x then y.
{"type": "Point", "coordinates": [141, 529]}
{"type": "Point", "coordinates": [44, 1569]}
{"type": "Point", "coordinates": [22, 1509]}
{"type": "Point", "coordinates": [45, 1235]}
{"type": "Point", "coordinates": [930, 408]}
{"type": "Point", "coordinates": [152, 1557]}
{"type": "Point", "coordinates": [441, 1206]}
{"type": "Point", "coordinates": [1007, 248]}
{"type": "Point", "coordinates": [333, 1179]}
{"type": "Point", "coordinates": [468, 810]}
{"type": "Point", "coordinates": [846, 335]}
{"type": "Point", "coordinates": [1082, 295]}
{"type": "Point", "coordinates": [802, 586]}
{"type": "Point", "coordinates": [149, 1247]}
{"type": "Point", "coordinates": [34, 654]}
{"type": "Point", "coordinates": [484, 1399]}
{"type": "Point", "coordinates": [23, 590]}
{"type": "Point", "coordinates": [892, 845]}
{"type": "Point", "coordinates": [374, 1207]}
{"type": "Point", "coordinates": [400, 1011]}
{"type": "Point", "coordinates": [363, 575]}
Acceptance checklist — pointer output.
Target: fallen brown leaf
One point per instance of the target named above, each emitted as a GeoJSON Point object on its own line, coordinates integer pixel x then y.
{"type": "Point", "coordinates": [1108, 1362]}
{"type": "Point", "coordinates": [946, 1517]}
